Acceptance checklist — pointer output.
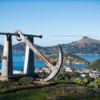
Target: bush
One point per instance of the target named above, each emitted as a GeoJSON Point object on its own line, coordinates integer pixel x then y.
{"type": "Point", "coordinates": [84, 81]}
{"type": "Point", "coordinates": [25, 81]}
{"type": "Point", "coordinates": [88, 82]}
{"type": "Point", "coordinates": [95, 83]}
{"type": "Point", "coordinates": [4, 84]}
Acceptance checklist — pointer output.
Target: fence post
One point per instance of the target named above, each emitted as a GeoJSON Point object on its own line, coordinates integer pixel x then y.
{"type": "Point", "coordinates": [29, 59]}
{"type": "Point", "coordinates": [7, 63]}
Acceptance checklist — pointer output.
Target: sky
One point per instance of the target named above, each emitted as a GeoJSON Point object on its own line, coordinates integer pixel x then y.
{"type": "Point", "coordinates": [59, 21]}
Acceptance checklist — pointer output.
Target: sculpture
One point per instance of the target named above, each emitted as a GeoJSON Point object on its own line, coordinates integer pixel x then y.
{"type": "Point", "coordinates": [54, 68]}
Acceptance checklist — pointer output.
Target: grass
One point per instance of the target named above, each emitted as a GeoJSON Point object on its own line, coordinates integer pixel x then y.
{"type": "Point", "coordinates": [58, 92]}
{"type": "Point", "coordinates": [42, 95]}
{"type": "Point", "coordinates": [94, 65]}
{"type": "Point", "coordinates": [24, 95]}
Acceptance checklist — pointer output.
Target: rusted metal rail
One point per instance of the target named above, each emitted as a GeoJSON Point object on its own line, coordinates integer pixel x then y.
{"type": "Point", "coordinates": [13, 34]}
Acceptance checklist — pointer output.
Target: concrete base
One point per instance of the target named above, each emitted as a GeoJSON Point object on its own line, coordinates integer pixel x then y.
{"type": "Point", "coordinates": [4, 78]}
{"type": "Point", "coordinates": [15, 77]}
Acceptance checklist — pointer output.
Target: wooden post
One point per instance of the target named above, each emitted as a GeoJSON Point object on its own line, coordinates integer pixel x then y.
{"type": "Point", "coordinates": [29, 59]}
{"type": "Point", "coordinates": [7, 63]}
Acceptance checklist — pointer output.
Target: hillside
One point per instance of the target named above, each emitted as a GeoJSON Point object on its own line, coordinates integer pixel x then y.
{"type": "Point", "coordinates": [87, 40]}
{"type": "Point", "coordinates": [94, 65]}
{"type": "Point", "coordinates": [69, 59]}
{"type": "Point", "coordinates": [46, 50]}
{"type": "Point", "coordinates": [85, 45]}
{"type": "Point", "coordinates": [19, 47]}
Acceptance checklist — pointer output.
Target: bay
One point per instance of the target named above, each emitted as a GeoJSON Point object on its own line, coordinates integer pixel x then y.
{"type": "Point", "coordinates": [90, 58]}
{"type": "Point", "coordinates": [18, 61]}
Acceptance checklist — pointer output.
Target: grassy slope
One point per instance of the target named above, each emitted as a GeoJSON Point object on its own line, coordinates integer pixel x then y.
{"type": "Point", "coordinates": [51, 93]}
{"type": "Point", "coordinates": [94, 65]}
{"type": "Point", "coordinates": [70, 56]}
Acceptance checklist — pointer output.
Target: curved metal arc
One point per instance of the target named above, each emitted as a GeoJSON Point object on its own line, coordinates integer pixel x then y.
{"type": "Point", "coordinates": [54, 68]}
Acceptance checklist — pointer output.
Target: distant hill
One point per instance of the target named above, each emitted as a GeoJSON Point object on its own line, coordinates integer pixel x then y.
{"type": "Point", "coordinates": [19, 47]}
{"type": "Point", "coordinates": [69, 59]}
{"type": "Point", "coordinates": [94, 65]}
{"type": "Point", "coordinates": [87, 40]}
{"type": "Point", "coordinates": [46, 50]}
{"type": "Point", "coordinates": [85, 45]}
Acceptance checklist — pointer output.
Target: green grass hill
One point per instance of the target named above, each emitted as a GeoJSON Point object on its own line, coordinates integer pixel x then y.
{"type": "Point", "coordinates": [94, 65]}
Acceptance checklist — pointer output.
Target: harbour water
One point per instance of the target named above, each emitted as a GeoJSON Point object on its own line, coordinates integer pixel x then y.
{"type": "Point", "coordinates": [90, 58]}
{"type": "Point", "coordinates": [18, 61]}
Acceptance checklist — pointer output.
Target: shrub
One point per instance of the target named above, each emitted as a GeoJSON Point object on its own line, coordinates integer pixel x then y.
{"type": "Point", "coordinates": [25, 81]}
{"type": "Point", "coordinates": [4, 84]}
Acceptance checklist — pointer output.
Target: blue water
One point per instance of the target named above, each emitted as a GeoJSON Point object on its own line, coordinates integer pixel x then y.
{"type": "Point", "coordinates": [77, 66]}
{"type": "Point", "coordinates": [90, 58]}
{"type": "Point", "coordinates": [18, 61]}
